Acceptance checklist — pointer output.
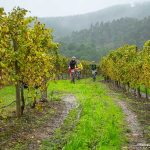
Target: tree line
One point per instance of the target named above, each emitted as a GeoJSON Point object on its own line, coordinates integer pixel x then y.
{"type": "Point", "coordinates": [100, 38]}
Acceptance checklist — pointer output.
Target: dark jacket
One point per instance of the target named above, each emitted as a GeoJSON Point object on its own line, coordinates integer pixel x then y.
{"type": "Point", "coordinates": [72, 64]}
{"type": "Point", "coordinates": [93, 66]}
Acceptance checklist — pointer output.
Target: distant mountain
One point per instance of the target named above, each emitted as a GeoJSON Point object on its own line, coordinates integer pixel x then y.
{"type": "Point", "coordinates": [100, 38]}
{"type": "Point", "coordinates": [65, 25]}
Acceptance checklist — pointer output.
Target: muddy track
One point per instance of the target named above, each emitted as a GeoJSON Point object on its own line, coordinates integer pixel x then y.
{"type": "Point", "coordinates": [48, 129]}
{"type": "Point", "coordinates": [135, 136]}
{"type": "Point", "coordinates": [137, 141]}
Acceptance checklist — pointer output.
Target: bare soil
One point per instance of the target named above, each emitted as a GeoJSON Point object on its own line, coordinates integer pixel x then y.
{"type": "Point", "coordinates": [135, 135]}
{"type": "Point", "coordinates": [35, 125]}
{"type": "Point", "coordinates": [137, 117]}
{"type": "Point", "coordinates": [48, 129]}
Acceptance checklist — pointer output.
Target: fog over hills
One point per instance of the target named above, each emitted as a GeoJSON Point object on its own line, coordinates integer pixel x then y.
{"type": "Point", "coordinates": [65, 25]}
{"type": "Point", "coordinates": [91, 36]}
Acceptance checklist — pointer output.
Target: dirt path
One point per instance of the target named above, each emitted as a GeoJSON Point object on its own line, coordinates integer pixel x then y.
{"type": "Point", "coordinates": [136, 140]}
{"type": "Point", "coordinates": [48, 129]}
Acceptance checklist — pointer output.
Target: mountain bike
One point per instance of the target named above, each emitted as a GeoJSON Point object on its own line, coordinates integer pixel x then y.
{"type": "Point", "coordinates": [94, 73]}
{"type": "Point", "coordinates": [73, 75]}
{"type": "Point", "coordinates": [78, 75]}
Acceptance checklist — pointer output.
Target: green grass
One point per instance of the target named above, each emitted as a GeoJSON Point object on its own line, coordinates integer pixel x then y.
{"type": "Point", "coordinates": [143, 90]}
{"type": "Point", "coordinates": [59, 140]}
{"type": "Point", "coordinates": [100, 123]}
{"type": "Point", "coordinates": [7, 96]}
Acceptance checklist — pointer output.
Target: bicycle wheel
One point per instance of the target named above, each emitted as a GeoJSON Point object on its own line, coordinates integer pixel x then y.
{"type": "Point", "coordinates": [73, 77]}
{"type": "Point", "coordinates": [78, 75]}
{"type": "Point", "coordinates": [94, 77]}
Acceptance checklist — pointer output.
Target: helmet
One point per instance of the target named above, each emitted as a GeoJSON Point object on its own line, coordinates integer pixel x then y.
{"type": "Point", "coordinates": [73, 57]}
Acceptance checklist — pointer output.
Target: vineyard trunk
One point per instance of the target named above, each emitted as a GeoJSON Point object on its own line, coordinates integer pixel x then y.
{"type": "Point", "coordinates": [146, 92]}
{"type": "Point", "coordinates": [22, 99]}
{"type": "Point", "coordinates": [18, 104]}
{"type": "Point", "coordinates": [139, 92]}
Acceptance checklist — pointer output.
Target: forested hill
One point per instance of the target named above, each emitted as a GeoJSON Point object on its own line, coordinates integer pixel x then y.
{"type": "Point", "coordinates": [65, 25]}
{"type": "Point", "coordinates": [96, 41]}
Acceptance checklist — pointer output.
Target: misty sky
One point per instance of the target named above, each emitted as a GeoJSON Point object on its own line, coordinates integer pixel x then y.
{"type": "Point", "coordinates": [45, 8]}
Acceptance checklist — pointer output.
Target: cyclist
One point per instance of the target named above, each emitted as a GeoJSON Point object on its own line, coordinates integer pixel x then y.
{"type": "Point", "coordinates": [72, 68]}
{"type": "Point", "coordinates": [94, 70]}
{"type": "Point", "coordinates": [79, 69]}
